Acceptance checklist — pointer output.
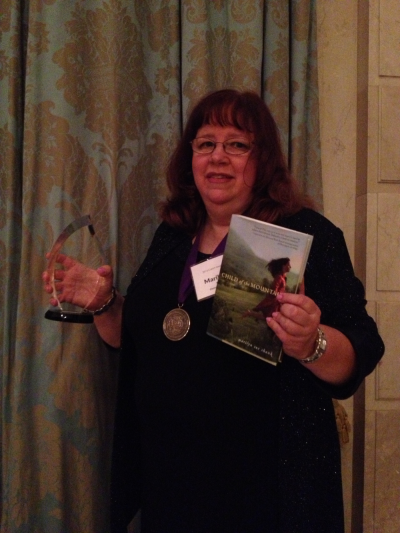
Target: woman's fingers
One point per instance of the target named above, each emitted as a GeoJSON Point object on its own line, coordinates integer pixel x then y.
{"type": "Point", "coordinates": [105, 271]}
{"type": "Point", "coordinates": [296, 323]}
{"type": "Point", "coordinates": [298, 309]}
{"type": "Point", "coordinates": [74, 282]}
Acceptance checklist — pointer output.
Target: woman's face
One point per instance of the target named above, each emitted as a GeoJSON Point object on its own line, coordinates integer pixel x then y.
{"type": "Point", "coordinates": [286, 267]}
{"type": "Point", "coordinates": [224, 181]}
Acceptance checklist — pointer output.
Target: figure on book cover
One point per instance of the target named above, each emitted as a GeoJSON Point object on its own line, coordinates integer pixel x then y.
{"type": "Point", "coordinates": [279, 269]}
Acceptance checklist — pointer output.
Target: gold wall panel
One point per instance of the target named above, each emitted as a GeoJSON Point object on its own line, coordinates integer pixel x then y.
{"type": "Point", "coordinates": [389, 133]}
{"type": "Point", "coordinates": [388, 252]}
{"type": "Point", "coordinates": [389, 38]}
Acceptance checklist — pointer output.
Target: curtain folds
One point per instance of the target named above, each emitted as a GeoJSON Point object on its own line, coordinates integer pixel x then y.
{"type": "Point", "coordinates": [93, 96]}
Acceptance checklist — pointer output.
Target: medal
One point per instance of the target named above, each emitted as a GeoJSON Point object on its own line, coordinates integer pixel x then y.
{"type": "Point", "coordinates": [176, 324]}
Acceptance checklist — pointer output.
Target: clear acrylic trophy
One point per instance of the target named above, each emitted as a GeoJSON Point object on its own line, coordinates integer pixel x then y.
{"type": "Point", "coordinates": [77, 240]}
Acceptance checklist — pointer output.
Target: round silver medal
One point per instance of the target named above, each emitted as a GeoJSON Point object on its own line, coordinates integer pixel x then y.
{"type": "Point", "coordinates": [176, 324]}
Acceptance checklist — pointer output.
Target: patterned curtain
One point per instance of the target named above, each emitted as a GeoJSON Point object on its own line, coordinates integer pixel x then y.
{"type": "Point", "coordinates": [93, 96]}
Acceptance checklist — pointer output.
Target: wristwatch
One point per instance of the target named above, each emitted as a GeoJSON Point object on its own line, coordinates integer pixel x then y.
{"type": "Point", "coordinates": [320, 348]}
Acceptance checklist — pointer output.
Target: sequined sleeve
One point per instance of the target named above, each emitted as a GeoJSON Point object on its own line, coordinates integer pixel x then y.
{"type": "Point", "coordinates": [330, 281]}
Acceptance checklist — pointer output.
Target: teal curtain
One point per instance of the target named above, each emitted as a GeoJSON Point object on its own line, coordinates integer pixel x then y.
{"type": "Point", "coordinates": [93, 97]}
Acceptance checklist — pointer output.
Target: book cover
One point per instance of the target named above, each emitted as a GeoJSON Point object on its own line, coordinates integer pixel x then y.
{"type": "Point", "coordinates": [260, 260]}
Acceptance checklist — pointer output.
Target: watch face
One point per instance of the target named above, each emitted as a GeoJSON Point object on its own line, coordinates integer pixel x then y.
{"type": "Point", "coordinates": [321, 341]}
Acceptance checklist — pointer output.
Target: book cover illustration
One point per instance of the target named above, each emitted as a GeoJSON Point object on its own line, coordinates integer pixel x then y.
{"type": "Point", "coordinates": [260, 260]}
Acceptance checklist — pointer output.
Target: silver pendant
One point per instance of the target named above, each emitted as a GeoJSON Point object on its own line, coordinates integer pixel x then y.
{"type": "Point", "coordinates": [176, 324]}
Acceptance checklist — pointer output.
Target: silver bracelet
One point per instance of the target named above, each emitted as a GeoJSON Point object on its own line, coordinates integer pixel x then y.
{"type": "Point", "coordinates": [320, 348]}
{"type": "Point", "coordinates": [107, 305]}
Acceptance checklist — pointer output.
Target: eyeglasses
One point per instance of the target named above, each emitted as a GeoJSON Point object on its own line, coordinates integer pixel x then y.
{"type": "Point", "coordinates": [202, 145]}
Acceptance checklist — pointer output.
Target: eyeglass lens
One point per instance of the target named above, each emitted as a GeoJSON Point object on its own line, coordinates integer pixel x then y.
{"type": "Point", "coordinates": [202, 145]}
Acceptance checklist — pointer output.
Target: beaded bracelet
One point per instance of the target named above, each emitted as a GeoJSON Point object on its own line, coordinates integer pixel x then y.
{"type": "Point", "coordinates": [107, 305]}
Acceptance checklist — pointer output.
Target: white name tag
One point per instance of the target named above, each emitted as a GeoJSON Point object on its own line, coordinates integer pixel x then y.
{"type": "Point", "coordinates": [205, 277]}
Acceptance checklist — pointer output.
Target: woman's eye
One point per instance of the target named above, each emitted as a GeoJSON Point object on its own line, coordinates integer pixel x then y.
{"type": "Point", "coordinates": [238, 144]}
{"type": "Point", "coordinates": [206, 144]}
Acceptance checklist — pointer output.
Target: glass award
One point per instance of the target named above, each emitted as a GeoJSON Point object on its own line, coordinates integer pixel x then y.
{"type": "Point", "coordinates": [78, 241]}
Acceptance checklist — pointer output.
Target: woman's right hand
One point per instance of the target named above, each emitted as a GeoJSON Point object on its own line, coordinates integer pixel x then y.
{"type": "Point", "coordinates": [79, 285]}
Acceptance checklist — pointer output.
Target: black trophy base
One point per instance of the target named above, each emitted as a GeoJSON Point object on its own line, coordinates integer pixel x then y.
{"type": "Point", "coordinates": [69, 316]}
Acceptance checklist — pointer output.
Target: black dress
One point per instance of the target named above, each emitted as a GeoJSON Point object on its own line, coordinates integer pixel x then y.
{"type": "Point", "coordinates": [209, 439]}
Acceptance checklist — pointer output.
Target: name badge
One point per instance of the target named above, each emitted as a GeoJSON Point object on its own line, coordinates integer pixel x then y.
{"type": "Point", "coordinates": [205, 277]}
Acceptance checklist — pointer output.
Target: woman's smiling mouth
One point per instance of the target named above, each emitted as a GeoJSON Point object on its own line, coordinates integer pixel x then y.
{"type": "Point", "coordinates": [218, 176]}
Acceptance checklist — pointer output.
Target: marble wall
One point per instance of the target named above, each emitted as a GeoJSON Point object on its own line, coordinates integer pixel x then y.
{"type": "Point", "coordinates": [382, 472]}
{"type": "Point", "coordinates": [337, 62]}
{"type": "Point", "coordinates": [359, 62]}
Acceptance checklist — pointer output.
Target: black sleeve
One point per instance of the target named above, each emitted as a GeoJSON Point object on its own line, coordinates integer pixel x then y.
{"type": "Point", "coordinates": [330, 281]}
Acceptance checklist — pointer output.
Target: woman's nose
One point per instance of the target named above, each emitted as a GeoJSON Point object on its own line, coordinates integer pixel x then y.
{"type": "Point", "coordinates": [219, 153]}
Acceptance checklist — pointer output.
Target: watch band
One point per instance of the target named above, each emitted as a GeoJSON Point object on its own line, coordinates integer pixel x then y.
{"type": "Point", "coordinates": [320, 348]}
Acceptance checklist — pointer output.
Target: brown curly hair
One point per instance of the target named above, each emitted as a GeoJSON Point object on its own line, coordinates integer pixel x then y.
{"type": "Point", "coordinates": [275, 192]}
{"type": "Point", "coordinates": [275, 266]}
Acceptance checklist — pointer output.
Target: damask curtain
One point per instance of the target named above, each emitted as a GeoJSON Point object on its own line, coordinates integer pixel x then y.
{"type": "Point", "coordinates": [93, 97]}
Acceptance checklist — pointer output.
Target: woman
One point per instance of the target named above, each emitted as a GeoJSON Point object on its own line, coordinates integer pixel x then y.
{"type": "Point", "coordinates": [209, 439]}
{"type": "Point", "coordinates": [279, 269]}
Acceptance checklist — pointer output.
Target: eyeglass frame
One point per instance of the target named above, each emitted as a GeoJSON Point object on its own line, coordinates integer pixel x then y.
{"type": "Point", "coordinates": [223, 144]}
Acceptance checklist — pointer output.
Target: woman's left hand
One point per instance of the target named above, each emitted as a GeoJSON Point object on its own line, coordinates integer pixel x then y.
{"type": "Point", "coordinates": [296, 323]}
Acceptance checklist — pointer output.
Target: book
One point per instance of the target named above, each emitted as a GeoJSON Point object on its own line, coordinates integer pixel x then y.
{"type": "Point", "coordinates": [260, 260]}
